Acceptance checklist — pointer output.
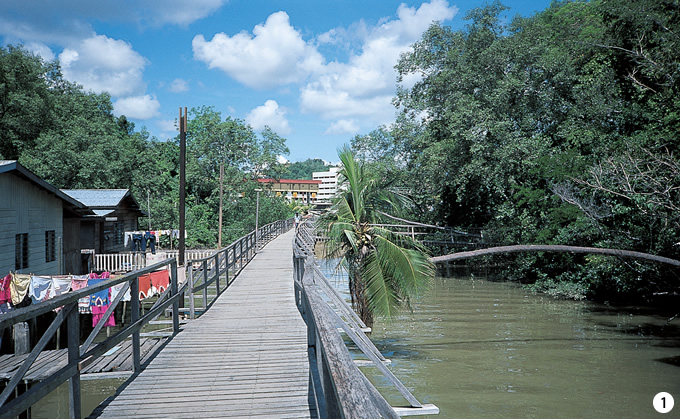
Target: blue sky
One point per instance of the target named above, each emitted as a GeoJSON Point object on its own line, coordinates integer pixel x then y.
{"type": "Point", "coordinates": [317, 72]}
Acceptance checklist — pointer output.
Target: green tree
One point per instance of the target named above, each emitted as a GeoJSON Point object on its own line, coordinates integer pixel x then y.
{"type": "Point", "coordinates": [385, 270]}
{"type": "Point", "coordinates": [25, 99]}
{"type": "Point", "coordinates": [304, 169]}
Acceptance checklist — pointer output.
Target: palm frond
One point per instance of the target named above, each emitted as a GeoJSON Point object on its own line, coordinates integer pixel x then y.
{"type": "Point", "coordinates": [380, 294]}
{"type": "Point", "coordinates": [412, 270]}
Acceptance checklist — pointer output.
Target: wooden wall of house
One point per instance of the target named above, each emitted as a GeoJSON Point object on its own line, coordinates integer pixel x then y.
{"type": "Point", "coordinates": [26, 208]}
{"type": "Point", "coordinates": [71, 244]}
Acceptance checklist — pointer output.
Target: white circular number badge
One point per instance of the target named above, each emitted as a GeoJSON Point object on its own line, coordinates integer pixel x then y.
{"type": "Point", "coordinates": [663, 402]}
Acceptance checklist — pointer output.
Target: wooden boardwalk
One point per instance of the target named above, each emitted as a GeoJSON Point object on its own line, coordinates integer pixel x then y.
{"type": "Point", "coordinates": [245, 357]}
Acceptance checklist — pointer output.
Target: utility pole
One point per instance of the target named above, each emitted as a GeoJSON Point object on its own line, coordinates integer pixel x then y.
{"type": "Point", "coordinates": [182, 182]}
{"type": "Point", "coordinates": [219, 228]}
{"type": "Point", "coordinates": [257, 216]}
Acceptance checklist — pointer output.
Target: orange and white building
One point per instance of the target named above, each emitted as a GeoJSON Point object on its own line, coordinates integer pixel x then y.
{"type": "Point", "coordinates": [293, 189]}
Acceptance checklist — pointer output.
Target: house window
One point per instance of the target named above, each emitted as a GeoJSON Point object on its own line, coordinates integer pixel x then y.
{"type": "Point", "coordinates": [50, 245]}
{"type": "Point", "coordinates": [21, 252]}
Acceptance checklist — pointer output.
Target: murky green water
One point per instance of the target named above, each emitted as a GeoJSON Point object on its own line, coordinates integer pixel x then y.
{"type": "Point", "coordinates": [56, 404]}
{"type": "Point", "coordinates": [480, 349]}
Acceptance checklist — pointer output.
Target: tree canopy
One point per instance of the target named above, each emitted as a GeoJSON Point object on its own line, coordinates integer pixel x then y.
{"type": "Point", "coordinates": [72, 139]}
{"type": "Point", "coordinates": [560, 128]}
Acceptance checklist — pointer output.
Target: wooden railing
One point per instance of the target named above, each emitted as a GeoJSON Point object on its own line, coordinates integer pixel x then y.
{"type": "Point", "coordinates": [79, 356]}
{"type": "Point", "coordinates": [226, 263]}
{"type": "Point", "coordinates": [340, 389]}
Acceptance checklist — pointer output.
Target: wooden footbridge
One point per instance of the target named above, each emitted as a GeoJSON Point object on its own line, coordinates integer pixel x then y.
{"type": "Point", "coordinates": [246, 356]}
{"type": "Point", "coordinates": [265, 342]}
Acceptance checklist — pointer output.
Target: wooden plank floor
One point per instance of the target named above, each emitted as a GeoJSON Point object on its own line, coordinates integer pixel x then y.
{"type": "Point", "coordinates": [245, 357]}
{"type": "Point", "coordinates": [119, 361]}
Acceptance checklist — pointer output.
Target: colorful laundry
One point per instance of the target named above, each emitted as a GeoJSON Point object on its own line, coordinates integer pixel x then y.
{"type": "Point", "coordinates": [19, 287]}
{"type": "Point", "coordinates": [160, 281]}
{"type": "Point", "coordinates": [98, 312]}
{"type": "Point", "coordinates": [80, 282]}
{"type": "Point", "coordinates": [5, 292]}
{"type": "Point", "coordinates": [62, 284]}
{"type": "Point", "coordinates": [41, 288]}
{"type": "Point", "coordinates": [145, 286]}
{"type": "Point", "coordinates": [116, 289]}
{"type": "Point", "coordinates": [99, 298]}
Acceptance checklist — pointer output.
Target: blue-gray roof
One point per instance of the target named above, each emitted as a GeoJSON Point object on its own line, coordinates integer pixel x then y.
{"type": "Point", "coordinates": [98, 198]}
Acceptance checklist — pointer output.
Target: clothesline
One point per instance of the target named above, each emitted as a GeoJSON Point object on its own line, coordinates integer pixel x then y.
{"type": "Point", "coordinates": [18, 290]}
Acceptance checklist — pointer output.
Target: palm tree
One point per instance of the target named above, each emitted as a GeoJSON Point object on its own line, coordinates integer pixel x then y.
{"type": "Point", "coordinates": [385, 269]}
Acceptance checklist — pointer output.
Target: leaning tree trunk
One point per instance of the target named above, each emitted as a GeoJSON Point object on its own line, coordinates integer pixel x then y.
{"type": "Point", "coordinates": [357, 289]}
{"type": "Point", "coordinates": [555, 248]}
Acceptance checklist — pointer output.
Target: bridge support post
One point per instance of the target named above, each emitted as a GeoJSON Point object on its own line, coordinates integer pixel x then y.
{"type": "Point", "coordinates": [134, 317]}
{"type": "Point", "coordinates": [73, 327]}
{"type": "Point", "coordinates": [173, 292]}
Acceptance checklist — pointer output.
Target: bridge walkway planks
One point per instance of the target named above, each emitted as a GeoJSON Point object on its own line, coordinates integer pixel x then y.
{"type": "Point", "coordinates": [245, 357]}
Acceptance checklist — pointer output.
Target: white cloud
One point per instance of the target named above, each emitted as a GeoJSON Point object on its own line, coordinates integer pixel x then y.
{"type": "Point", "coordinates": [179, 86]}
{"type": "Point", "coordinates": [177, 12]}
{"type": "Point", "coordinates": [40, 49]}
{"type": "Point", "coordinates": [282, 160]}
{"type": "Point", "coordinates": [343, 126]}
{"type": "Point", "coordinates": [275, 54]}
{"type": "Point", "coordinates": [364, 86]}
{"type": "Point", "coordinates": [102, 64]}
{"type": "Point", "coordinates": [270, 114]}
{"type": "Point", "coordinates": [137, 107]}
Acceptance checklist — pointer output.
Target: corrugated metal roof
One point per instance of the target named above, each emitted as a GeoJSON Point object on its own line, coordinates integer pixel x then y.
{"type": "Point", "coordinates": [97, 198]}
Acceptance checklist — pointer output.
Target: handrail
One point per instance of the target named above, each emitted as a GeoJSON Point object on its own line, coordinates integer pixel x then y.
{"type": "Point", "coordinates": [229, 261]}
{"type": "Point", "coordinates": [340, 389]}
{"type": "Point", "coordinates": [81, 355]}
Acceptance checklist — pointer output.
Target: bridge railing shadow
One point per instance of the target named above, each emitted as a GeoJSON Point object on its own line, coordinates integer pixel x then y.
{"type": "Point", "coordinates": [339, 388]}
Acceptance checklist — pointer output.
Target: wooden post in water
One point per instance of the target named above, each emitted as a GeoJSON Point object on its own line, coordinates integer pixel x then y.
{"type": "Point", "coordinates": [73, 327]}
{"type": "Point", "coordinates": [134, 316]}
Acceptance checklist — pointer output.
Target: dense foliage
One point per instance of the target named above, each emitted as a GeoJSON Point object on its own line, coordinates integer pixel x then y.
{"type": "Point", "coordinates": [561, 128]}
{"type": "Point", "coordinates": [304, 169]}
{"type": "Point", "coordinates": [71, 138]}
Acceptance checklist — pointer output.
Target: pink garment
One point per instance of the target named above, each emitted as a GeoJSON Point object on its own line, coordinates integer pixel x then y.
{"type": "Point", "coordinates": [79, 282]}
{"type": "Point", "coordinates": [98, 313]}
{"type": "Point", "coordinates": [5, 293]}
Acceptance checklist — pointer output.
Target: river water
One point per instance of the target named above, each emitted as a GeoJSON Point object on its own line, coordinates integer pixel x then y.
{"type": "Point", "coordinates": [481, 349]}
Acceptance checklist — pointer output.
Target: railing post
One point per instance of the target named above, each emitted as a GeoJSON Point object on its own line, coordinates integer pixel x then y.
{"type": "Point", "coordinates": [173, 292]}
{"type": "Point", "coordinates": [205, 285]}
{"type": "Point", "coordinates": [134, 316]}
{"type": "Point", "coordinates": [192, 306]}
{"type": "Point", "coordinates": [226, 268]}
{"type": "Point", "coordinates": [73, 327]}
{"type": "Point", "coordinates": [217, 273]}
